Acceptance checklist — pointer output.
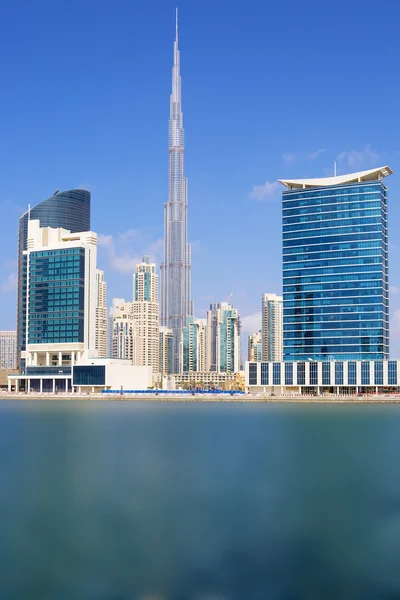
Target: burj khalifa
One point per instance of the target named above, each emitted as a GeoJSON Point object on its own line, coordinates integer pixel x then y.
{"type": "Point", "coordinates": [175, 272]}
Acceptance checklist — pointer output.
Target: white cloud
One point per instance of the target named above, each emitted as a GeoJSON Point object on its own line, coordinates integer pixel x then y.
{"type": "Point", "coordinates": [291, 157]}
{"type": "Point", "coordinates": [9, 284]}
{"type": "Point", "coordinates": [268, 191]}
{"type": "Point", "coordinates": [393, 289]}
{"type": "Point", "coordinates": [251, 323]}
{"type": "Point", "coordinates": [314, 155]}
{"type": "Point", "coordinates": [104, 241]}
{"type": "Point", "coordinates": [126, 250]}
{"type": "Point", "coordinates": [358, 159]}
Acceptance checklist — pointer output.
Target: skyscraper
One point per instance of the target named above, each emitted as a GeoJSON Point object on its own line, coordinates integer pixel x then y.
{"type": "Point", "coordinates": [61, 315]}
{"type": "Point", "coordinates": [335, 267]}
{"type": "Point", "coordinates": [69, 210]}
{"type": "Point", "coordinates": [146, 315]}
{"type": "Point", "coordinates": [8, 350]}
{"type": "Point", "coordinates": [211, 337]}
{"type": "Point", "coordinates": [175, 272]}
{"type": "Point", "coordinates": [122, 327]}
{"type": "Point", "coordinates": [254, 347]}
{"type": "Point", "coordinates": [223, 338]}
{"type": "Point", "coordinates": [112, 312]}
{"type": "Point", "coordinates": [272, 327]}
{"type": "Point", "coordinates": [194, 345]}
{"type": "Point", "coordinates": [166, 351]}
{"type": "Point", "coordinates": [101, 313]}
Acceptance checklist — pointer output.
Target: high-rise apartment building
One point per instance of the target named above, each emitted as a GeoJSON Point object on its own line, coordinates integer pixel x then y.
{"type": "Point", "coordinates": [166, 351]}
{"type": "Point", "coordinates": [272, 327]}
{"type": "Point", "coordinates": [194, 345]}
{"type": "Point", "coordinates": [61, 313]}
{"type": "Point", "coordinates": [8, 350]}
{"type": "Point", "coordinates": [254, 352]}
{"type": "Point", "coordinates": [146, 315]}
{"type": "Point", "coordinates": [112, 311]}
{"type": "Point", "coordinates": [211, 337]}
{"type": "Point", "coordinates": [69, 210]}
{"type": "Point", "coordinates": [335, 267]}
{"type": "Point", "coordinates": [101, 314]}
{"type": "Point", "coordinates": [145, 282]}
{"type": "Point", "coordinates": [223, 338]}
{"type": "Point", "coordinates": [176, 302]}
{"type": "Point", "coordinates": [122, 326]}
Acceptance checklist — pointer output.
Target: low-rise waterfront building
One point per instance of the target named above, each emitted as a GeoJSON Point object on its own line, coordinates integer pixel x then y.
{"type": "Point", "coordinates": [91, 375]}
{"type": "Point", "coordinates": [319, 377]}
{"type": "Point", "coordinates": [209, 380]}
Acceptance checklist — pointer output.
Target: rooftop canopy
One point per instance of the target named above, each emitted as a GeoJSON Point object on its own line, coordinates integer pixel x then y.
{"type": "Point", "coordinates": [370, 175]}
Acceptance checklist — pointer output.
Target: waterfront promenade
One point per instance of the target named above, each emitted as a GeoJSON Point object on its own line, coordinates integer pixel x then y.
{"type": "Point", "coordinates": [242, 398]}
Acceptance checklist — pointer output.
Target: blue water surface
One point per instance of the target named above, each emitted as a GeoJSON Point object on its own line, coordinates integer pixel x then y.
{"type": "Point", "coordinates": [203, 501]}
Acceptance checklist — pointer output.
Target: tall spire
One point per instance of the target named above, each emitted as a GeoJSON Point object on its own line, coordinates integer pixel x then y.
{"type": "Point", "coordinates": [176, 74]}
{"type": "Point", "coordinates": [176, 302]}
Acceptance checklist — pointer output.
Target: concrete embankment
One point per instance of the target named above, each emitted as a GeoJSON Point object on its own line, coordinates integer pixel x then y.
{"type": "Point", "coordinates": [373, 399]}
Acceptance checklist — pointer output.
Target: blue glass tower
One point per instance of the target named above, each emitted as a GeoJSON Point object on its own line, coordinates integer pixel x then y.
{"type": "Point", "coordinates": [335, 268]}
{"type": "Point", "coordinates": [56, 296]}
{"type": "Point", "coordinates": [70, 210]}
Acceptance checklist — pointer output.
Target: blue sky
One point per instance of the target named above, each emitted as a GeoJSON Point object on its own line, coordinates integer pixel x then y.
{"type": "Point", "coordinates": [270, 90]}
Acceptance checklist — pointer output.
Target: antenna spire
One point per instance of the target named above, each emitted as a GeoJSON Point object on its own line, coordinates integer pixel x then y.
{"type": "Point", "coordinates": [176, 25]}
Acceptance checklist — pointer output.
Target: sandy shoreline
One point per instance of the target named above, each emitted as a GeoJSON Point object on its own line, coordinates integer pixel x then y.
{"type": "Point", "coordinates": [382, 399]}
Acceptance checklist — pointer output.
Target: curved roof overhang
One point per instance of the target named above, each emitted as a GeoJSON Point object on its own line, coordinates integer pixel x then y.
{"type": "Point", "coordinates": [370, 175]}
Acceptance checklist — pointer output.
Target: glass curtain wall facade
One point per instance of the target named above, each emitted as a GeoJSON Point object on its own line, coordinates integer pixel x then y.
{"type": "Point", "coordinates": [335, 272]}
{"type": "Point", "coordinates": [190, 341]}
{"type": "Point", "coordinates": [70, 210]}
{"type": "Point", "coordinates": [56, 296]}
{"type": "Point", "coordinates": [228, 340]}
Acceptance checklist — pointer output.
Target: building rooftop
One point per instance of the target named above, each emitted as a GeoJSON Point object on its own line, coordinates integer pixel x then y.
{"type": "Point", "coordinates": [370, 175]}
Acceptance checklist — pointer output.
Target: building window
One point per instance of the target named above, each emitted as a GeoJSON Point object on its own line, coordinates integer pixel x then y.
{"type": "Point", "coordinates": [276, 374]}
{"type": "Point", "coordinates": [378, 372]}
{"type": "Point", "coordinates": [89, 375]}
{"type": "Point", "coordinates": [314, 373]}
{"type": "Point", "coordinates": [288, 373]}
{"type": "Point", "coordinates": [365, 373]}
{"type": "Point", "coordinates": [301, 373]}
{"type": "Point", "coordinates": [338, 373]}
{"type": "Point", "coordinates": [253, 374]}
{"type": "Point", "coordinates": [326, 373]}
{"type": "Point", "coordinates": [392, 372]}
{"type": "Point", "coordinates": [352, 373]}
{"type": "Point", "coordinates": [264, 373]}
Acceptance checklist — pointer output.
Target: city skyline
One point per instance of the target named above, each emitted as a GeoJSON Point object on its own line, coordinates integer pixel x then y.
{"type": "Point", "coordinates": [220, 216]}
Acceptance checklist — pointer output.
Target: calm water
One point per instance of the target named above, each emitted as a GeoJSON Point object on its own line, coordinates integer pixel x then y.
{"type": "Point", "coordinates": [121, 501]}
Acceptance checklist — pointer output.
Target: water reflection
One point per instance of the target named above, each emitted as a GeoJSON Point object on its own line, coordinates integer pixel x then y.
{"type": "Point", "coordinates": [121, 501]}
